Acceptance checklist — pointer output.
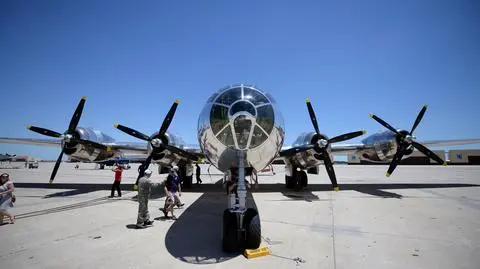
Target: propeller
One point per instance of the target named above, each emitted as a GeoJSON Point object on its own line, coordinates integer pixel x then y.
{"type": "Point", "coordinates": [68, 136]}
{"type": "Point", "coordinates": [158, 141]}
{"type": "Point", "coordinates": [321, 145]}
{"type": "Point", "coordinates": [405, 142]}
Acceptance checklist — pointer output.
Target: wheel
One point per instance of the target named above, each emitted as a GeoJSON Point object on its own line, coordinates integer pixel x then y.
{"type": "Point", "coordinates": [303, 179]}
{"type": "Point", "coordinates": [187, 182]}
{"type": "Point", "coordinates": [253, 235]}
{"type": "Point", "coordinates": [229, 232]}
{"type": "Point", "coordinates": [289, 183]}
{"type": "Point", "coordinates": [297, 180]}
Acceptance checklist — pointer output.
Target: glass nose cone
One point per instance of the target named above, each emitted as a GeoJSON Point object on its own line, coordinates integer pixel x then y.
{"type": "Point", "coordinates": [243, 126]}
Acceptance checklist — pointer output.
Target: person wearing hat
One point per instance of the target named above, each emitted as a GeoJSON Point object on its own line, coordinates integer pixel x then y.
{"type": "Point", "coordinates": [173, 186]}
{"type": "Point", "coordinates": [144, 189]}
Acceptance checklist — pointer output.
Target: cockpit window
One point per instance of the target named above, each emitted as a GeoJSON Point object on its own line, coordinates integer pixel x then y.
{"type": "Point", "coordinates": [266, 118]}
{"type": "Point", "coordinates": [270, 97]}
{"type": "Point", "coordinates": [218, 118]}
{"type": "Point", "coordinates": [230, 96]}
{"type": "Point", "coordinates": [242, 106]}
{"type": "Point", "coordinates": [212, 98]}
{"type": "Point", "coordinates": [258, 137]}
{"type": "Point", "coordinates": [242, 126]}
{"type": "Point", "coordinates": [226, 137]}
{"type": "Point", "coordinates": [254, 96]}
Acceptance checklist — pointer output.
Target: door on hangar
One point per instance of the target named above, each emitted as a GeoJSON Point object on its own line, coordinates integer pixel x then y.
{"type": "Point", "coordinates": [474, 160]}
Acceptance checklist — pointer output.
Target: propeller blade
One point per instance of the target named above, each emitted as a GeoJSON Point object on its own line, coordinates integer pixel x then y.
{"type": "Point", "coordinates": [132, 132]}
{"type": "Point", "coordinates": [44, 131]}
{"type": "Point", "coordinates": [347, 136]}
{"type": "Point", "coordinates": [168, 118]}
{"type": "Point", "coordinates": [76, 116]}
{"type": "Point", "coordinates": [55, 168]}
{"type": "Point", "coordinates": [312, 116]}
{"type": "Point", "coordinates": [144, 166]}
{"type": "Point", "coordinates": [419, 118]}
{"type": "Point", "coordinates": [382, 122]}
{"type": "Point", "coordinates": [331, 173]}
{"type": "Point", "coordinates": [428, 153]}
{"type": "Point", "coordinates": [295, 150]}
{"type": "Point", "coordinates": [182, 152]}
{"type": "Point", "coordinates": [396, 160]}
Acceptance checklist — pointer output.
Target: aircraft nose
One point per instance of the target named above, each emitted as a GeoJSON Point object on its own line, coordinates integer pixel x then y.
{"type": "Point", "coordinates": [241, 117]}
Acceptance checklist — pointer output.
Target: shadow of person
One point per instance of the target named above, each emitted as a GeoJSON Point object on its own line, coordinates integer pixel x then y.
{"type": "Point", "coordinates": [196, 236]}
{"type": "Point", "coordinates": [163, 218]}
{"type": "Point", "coordinates": [131, 226]}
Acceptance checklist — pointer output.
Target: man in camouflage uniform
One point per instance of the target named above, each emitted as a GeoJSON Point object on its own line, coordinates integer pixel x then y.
{"type": "Point", "coordinates": [144, 188]}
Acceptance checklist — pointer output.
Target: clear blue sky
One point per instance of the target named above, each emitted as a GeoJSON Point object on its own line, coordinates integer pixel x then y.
{"type": "Point", "coordinates": [132, 59]}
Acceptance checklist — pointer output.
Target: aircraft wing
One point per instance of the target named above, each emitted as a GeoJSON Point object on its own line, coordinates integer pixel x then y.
{"type": "Point", "coordinates": [123, 147]}
{"type": "Point", "coordinates": [31, 141]}
{"type": "Point", "coordinates": [127, 147]}
{"type": "Point", "coordinates": [451, 142]}
{"type": "Point", "coordinates": [347, 148]}
{"type": "Point", "coordinates": [339, 149]}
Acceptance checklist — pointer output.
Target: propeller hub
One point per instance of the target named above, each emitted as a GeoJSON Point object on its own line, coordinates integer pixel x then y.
{"type": "Point", "coordinates": [156, 142]}
{"type": "Point", "coordinates": [68, 138]}
{"type": "Point", "coordinates": [322, 143]}
{"type": "Point", "coordinates": [409, 138]}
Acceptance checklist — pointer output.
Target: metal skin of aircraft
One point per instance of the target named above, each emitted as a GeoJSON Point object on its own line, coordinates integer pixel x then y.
{"type": "Point", "coordinates": [240, 126]}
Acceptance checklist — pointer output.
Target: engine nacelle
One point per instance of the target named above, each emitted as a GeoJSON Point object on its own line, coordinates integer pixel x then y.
{"type": "Point", "coordinates": [161, 157]}
{"type": "Point", "coordinates": [381, 147]}
{"type": "Point", "coordinates": [306, 159]}
{"type": "Point", "coordinates": [87, 153]}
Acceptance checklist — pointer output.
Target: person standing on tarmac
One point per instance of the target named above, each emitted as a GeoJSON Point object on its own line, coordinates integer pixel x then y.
{"type": "Point", "coordinates": [173, 187]}
{"type": "Point", "coordinates": [198, 171]}
{"type": "Point", "coordinates": [117, 179]}
{"type": "Point", "coordinates": [144, 189]}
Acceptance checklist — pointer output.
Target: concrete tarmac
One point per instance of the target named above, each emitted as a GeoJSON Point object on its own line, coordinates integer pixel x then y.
{"type": "Point", "coordinates": [420, 217]}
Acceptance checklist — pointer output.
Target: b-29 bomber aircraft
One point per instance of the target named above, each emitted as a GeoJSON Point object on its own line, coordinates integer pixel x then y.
{"type": "Point", "coordinates": [240, 127]}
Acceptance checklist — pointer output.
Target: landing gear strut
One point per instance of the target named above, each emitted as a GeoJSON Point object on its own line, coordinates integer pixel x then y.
{"type": "Point", "coordinates": [298, 180]}
{"type": "Point", "coordinates": [241, 226]}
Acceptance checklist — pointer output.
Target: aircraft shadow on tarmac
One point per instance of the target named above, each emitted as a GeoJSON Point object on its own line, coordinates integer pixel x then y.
{"type": "Point", "coordinates": [196, 236]}
{"type": "Point", "coordinates": [375, 189]}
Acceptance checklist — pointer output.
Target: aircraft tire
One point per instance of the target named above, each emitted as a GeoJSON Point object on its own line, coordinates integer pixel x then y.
{"type": "Point", "coordinates": [251, 222]}
{"type": "Point", "coordinates": [230, 242]}
{"type": "Point", "coordinates": [187, 183]}
{"type": "Point", "coordinates": [297, 180]}
{"type": "Point", "coordinates": [289, 183]}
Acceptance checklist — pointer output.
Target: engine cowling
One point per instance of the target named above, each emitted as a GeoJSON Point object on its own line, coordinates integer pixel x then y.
{"type": "Point", "coordinates": [161, 156]}
{"type": "Point", "coordinates": [88, 153]}
{"type": "Point", "coordinates": [309, 158]}
{"type": "Point", "coordinates": [381, 147]}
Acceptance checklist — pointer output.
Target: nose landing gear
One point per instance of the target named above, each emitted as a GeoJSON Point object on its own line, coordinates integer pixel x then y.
{"type": "Point", "coordinates": [241, 226]}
